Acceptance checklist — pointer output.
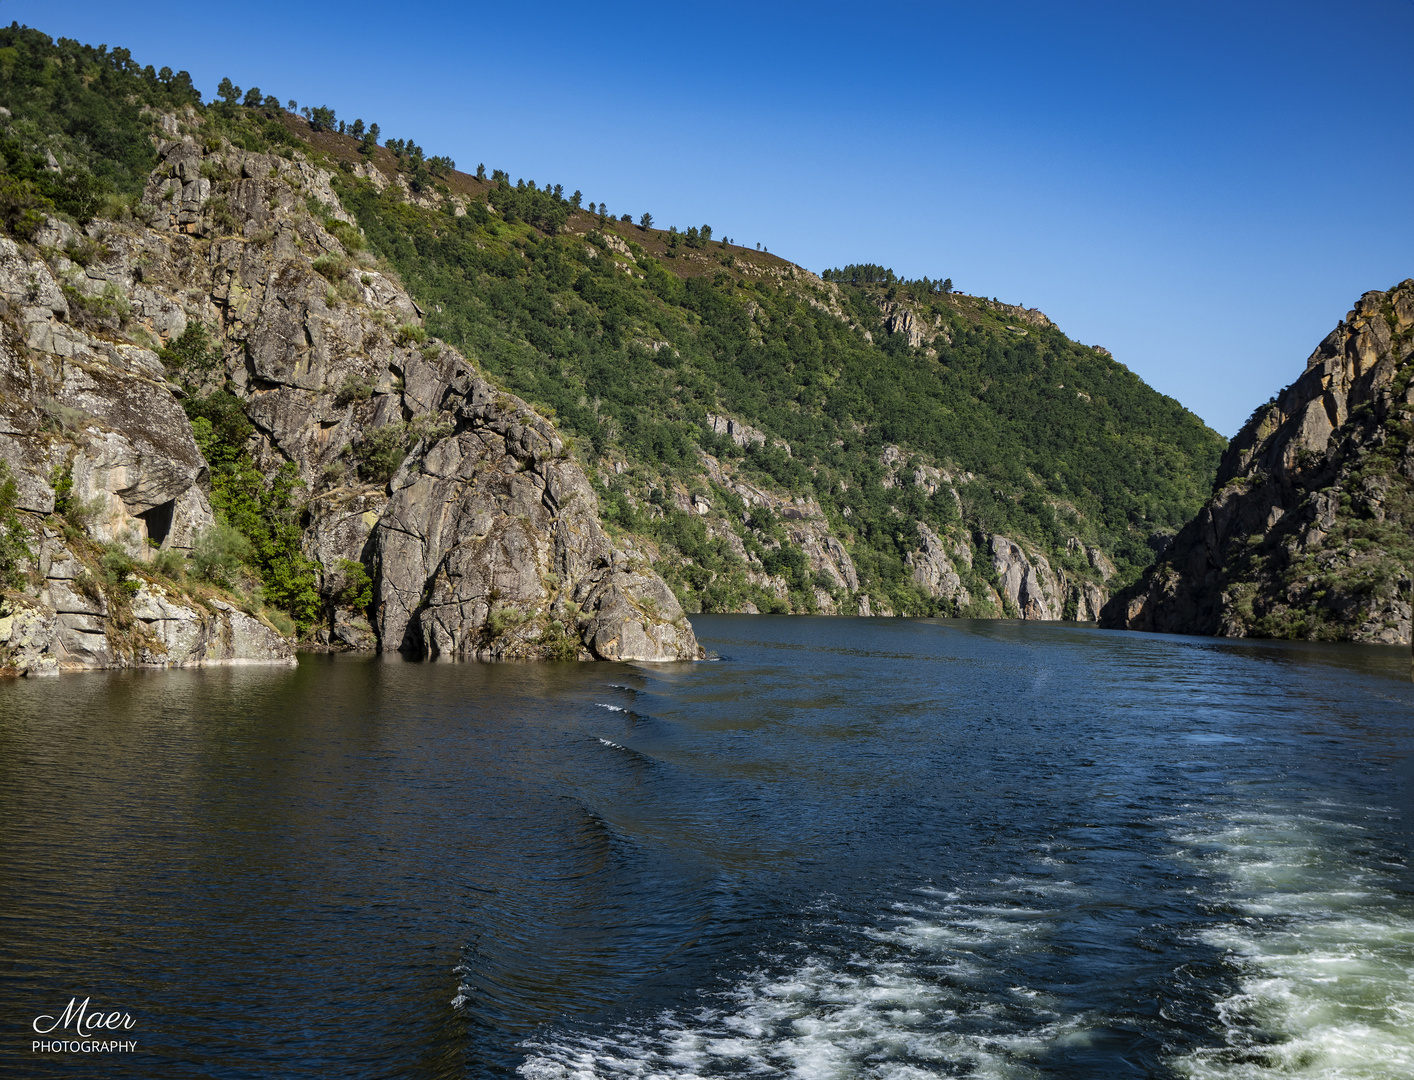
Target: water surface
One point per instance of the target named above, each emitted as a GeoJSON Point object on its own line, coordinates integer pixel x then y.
{"type": "Point", "coordinates": [851, 848]}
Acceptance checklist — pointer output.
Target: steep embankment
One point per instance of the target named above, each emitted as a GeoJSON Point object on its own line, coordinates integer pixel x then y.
{"type": "Point", "coordinates": [1307, 533]}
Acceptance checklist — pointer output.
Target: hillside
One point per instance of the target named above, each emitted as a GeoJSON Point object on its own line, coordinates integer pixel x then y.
{"type": "Point", "coordinates": [1307, 532]}
{"type": "Point", "coordinates": [769, 439]}
{"type": "Point", "coordinates": [896, 410]}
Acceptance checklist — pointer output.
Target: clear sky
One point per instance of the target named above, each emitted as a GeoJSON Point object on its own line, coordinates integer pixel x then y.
{"type": "Point", "coordinates": [1202, 188]}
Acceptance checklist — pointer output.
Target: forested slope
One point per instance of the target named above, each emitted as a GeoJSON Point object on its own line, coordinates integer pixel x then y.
{"type": "Point", "coordinates": [885, 403]}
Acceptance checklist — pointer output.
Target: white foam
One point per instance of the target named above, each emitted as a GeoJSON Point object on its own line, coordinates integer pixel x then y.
{"type": "Point", "coordinates": [1323, 953]}
{"type": "Point", "coordinates": [932, 1002]}
{"type": "Point", "coordinates": [611, 708]}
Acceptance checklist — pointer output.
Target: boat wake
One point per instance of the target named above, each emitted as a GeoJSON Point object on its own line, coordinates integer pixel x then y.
{"type": "Point", "coordinates": [1320, 945]}
{"type": "Point", "coordinates": [935, 989]}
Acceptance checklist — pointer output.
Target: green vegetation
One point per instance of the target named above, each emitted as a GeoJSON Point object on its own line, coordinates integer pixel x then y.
{"type": "Point", "coordinates": [91, 111]}
{"type": "Point", "coordinates": [381, 451]}
{"type": "Point", "coordinates": [13, 534]}
{"type": "Point", "coordinates": [356, 590]}
{"type": "Point", "coordinates": [191, 354]}
{"type": "Point", "coordinates": [259, 516]}
{"type": "Point", "coordinates": [219, 553]}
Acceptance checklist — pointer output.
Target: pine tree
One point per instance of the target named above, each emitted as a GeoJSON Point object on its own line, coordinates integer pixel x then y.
{"type": "Point", "coordinates": [370, 141]}
{"type": "Point", "coordinates": [228, 92]}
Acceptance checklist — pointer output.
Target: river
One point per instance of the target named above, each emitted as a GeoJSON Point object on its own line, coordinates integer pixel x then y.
{"type": "Point", "coordinates": [845, 848]}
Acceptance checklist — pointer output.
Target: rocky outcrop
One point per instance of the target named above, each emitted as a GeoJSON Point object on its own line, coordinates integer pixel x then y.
{"type": "Point", "coordinates": [1027, 581]}
{"type": "Point", "coordinates": [805, 527]}
{"type": "Point", "coordinates": [933, 569]}
{"type": "Point", "coordinates": [96, 414]}
{"type": "Point", "coordinates": [921, 327]}
{"type": "Point", "coordinates": [485, 542]}
{"type": "Point", "coordinates": [74, 618]}
{"type": "Point", "coordinates": [1307, 533]}
{"type": "Point", "coordinates": [900, 319]}
{"type": "Point", "coordinates": [1032, 589]}
{"type": "Point", "coordinates": [741, 434]}
{"type": "Point", "coordinates": [1030, 316]}
{"type": "Point", "coordinates": [916, 325]}
{"type": "Point", "coordinates": [89, 424]}
{"type": "Point", "coordinates": [491, 546]}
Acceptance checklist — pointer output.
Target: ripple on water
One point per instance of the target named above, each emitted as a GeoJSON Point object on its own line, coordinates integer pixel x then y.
{"type": "Point", "coordinates": [1322, 951]}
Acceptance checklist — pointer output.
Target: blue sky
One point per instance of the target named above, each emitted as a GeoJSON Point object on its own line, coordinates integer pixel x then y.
{"type": "Point", "coordinates": [1204, 189]}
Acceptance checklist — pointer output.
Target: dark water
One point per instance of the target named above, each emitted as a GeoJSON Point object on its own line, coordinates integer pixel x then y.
{"type": "Point", "coordinates": [853, 848]}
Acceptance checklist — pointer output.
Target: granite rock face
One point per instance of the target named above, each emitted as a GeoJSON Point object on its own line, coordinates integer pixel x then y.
{"type": "Point", "coordinates": [491, 547]}
{"type": "Point", "coordinates": [1027, 580]}
{"type": "Point", "coordinates": [78, 405]}
{"type": "Point", "coordinates": [805, 527]}
{"type": "Point", "coordinates": [88, 419]}
{"type": "Point", "coordinates": [1032, 589]}
{"type": "Point", "coordinates": [484, 542]}
{"type": "Point", "coordinates": [1307, 533]}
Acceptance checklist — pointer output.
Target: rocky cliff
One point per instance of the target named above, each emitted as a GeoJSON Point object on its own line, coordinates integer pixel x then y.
{"type": "Point", "coordinates": [484, 542]}
{"type": "Point", "coordinates": [1307, 533]}
{"type": "Point", "coordinates": [1011, 579]}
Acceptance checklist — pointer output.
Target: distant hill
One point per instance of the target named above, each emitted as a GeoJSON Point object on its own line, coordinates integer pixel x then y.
{"type": "Point", "coordinates": [772, 440]}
